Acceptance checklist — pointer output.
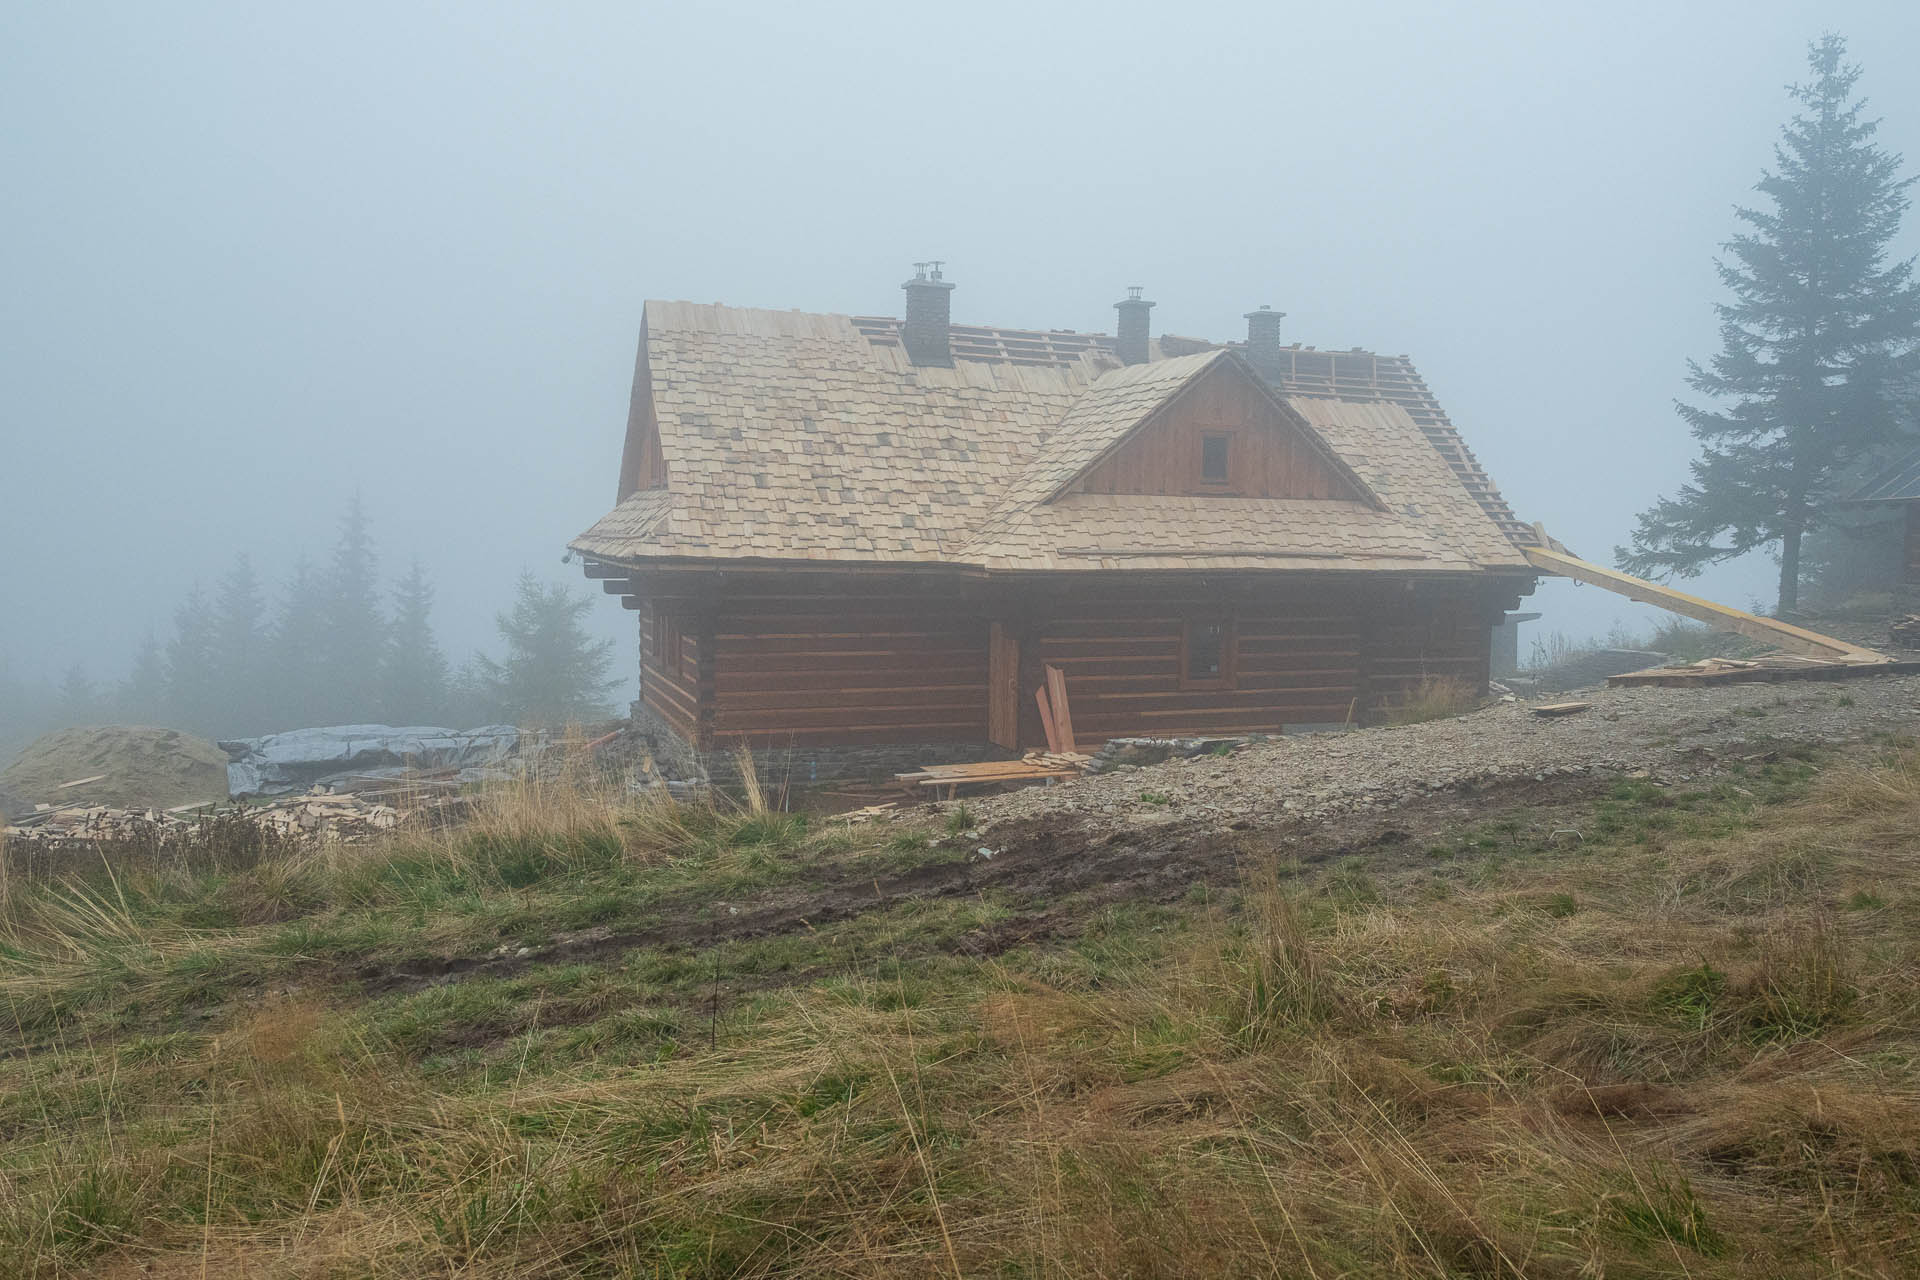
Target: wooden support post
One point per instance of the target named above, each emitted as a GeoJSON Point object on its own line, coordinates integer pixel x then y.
{"type": "Point", "coordinates": [1003, 687]}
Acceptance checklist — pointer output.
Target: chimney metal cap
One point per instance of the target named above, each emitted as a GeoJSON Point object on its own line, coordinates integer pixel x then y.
{"type": "Point", "coordinates": [1133, 298]}
{"type": "Point", "coordinates": [1264, 312]}
{"type": "Point", "coordinates": [926, 275]}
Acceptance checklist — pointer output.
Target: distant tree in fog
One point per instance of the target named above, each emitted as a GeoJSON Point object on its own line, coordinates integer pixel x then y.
{"type": "Point", "coordinates": [553, 671]}
{"type": "Point", "coordinates": [414, 673]}
{"type": "Point", "coordinates": [240, 650]}
{"type": "Point", "coordinates": [353, 634]}
{"type": "Point", "coordinates": [193, 679]}
{"type": "Point", "coordinates": [142, 696]}
{"type": "Point", "coordinates": [294, 680]}
{"type": "Point", "coordinates": [79, 699]}
{"type": "Point", "coordinates": [1815, 346]}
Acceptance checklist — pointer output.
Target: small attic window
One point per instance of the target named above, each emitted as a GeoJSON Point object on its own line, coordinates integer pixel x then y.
{"type": "Point", "coordinates": [1215, 449]}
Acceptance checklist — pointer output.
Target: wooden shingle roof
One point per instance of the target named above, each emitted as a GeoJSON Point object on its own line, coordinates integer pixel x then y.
{"type": "Point", "coordinates": [798, 436]}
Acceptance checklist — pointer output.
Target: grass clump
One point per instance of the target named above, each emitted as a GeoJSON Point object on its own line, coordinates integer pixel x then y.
{"type": "Point", "coordinates": [1433, 698]}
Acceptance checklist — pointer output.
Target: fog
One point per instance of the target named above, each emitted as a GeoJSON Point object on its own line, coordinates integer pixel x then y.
{"type": "Point", "coordinates": [260, 258]}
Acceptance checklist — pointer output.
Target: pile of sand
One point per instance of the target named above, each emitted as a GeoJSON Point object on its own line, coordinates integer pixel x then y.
{"type": "Point", "coordinates": [144, 768]}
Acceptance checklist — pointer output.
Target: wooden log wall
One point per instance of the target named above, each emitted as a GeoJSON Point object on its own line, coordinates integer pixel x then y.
{"type": "Point", "coordinates": [670, 687]}
{"type": "Point", "coordinates": [1297, 665]}
{"type": "Point", "coordinates": [1441, 636]}
{"type": "Point", "coordinates": [822, 669]}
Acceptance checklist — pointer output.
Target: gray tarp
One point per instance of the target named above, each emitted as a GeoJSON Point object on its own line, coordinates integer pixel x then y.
{"type": "Point", "coordinates": [281, 763]}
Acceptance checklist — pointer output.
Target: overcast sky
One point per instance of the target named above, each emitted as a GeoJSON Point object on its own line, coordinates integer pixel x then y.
{"type": "Point", "coordinates": [258, 257]}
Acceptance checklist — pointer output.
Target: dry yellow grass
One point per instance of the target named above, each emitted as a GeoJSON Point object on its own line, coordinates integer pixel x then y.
{"type": "Point", "coordinates": [1685, 1044]}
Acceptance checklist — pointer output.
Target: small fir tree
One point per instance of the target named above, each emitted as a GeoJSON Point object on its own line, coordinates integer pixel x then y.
{"type": "Point", "coordinates": [194, 694]}
{"type": "Point", "coordinates": [1816, 344]}
{"type": "Point", "coordinates": [553, 671]}
{"type": "Point", "coordinates": [142, 697]}
{"type": "Point", "coordinates": [240, 648]}
{"type": "Point", "coordinates": [353, 634]}
{"type": "Point", "coordinates": [295, 681]}
{"type": "Point", "coordinates": [414, 677]}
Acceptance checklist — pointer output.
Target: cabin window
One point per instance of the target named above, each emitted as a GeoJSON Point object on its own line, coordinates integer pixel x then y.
{"type": "Point", "coordinates": [667, 643]}
{"type": "Point", "coordinates": [1215, 449]}
{"type": "Point", "coordinates": [1207, 654]}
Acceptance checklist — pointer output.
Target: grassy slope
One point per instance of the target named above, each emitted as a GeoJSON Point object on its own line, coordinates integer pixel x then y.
{"type": "Point", "coordinates": [1674, 1034]}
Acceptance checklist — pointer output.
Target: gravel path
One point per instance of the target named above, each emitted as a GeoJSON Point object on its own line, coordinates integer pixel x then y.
{"type": "Point", "coordinates": [1665, 734]}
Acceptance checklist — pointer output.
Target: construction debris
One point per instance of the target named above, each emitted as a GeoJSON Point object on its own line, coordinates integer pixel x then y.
{"type": "Point", "coordinates": [1561, 708]}
{"type": "Point", "coordinates": [1035, 766]}
{"type": "Point", "coordinates": [1906, 632]}
{"type": "Point", "coordinates": [344, 819]}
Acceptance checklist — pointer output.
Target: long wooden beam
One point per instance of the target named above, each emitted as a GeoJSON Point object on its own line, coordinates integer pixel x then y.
{"type": "Point", "coordinates": [1770, 630]}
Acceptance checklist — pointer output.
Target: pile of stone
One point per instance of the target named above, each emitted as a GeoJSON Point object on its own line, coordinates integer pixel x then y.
{"type": "Point", "coordinates": [1906, 632]}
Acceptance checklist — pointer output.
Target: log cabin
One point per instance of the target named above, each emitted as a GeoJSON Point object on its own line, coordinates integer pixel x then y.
{"type": "Point", "coordinates": [1897, 486]}
{"type": "Point", "coordinates": [855, 543]}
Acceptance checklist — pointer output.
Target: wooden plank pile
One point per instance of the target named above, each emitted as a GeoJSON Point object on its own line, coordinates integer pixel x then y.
{"type": "Point", "coordinates": [1035, 766]}
{"type": "Point", "coordinates": [1062, 759]}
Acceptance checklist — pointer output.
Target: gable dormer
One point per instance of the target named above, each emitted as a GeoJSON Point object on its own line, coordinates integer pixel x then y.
{"type": "Point", "coordinates": [1223, 435]}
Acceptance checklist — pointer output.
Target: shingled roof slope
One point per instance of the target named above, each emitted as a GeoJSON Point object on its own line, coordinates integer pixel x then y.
{"type": "Point", "coordinates": [789, 435]}
{"type": "Point", "coordinates": [1426, 521]}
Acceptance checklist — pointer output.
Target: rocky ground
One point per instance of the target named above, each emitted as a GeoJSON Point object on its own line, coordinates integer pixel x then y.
{"type": "Point", "coordinates": [1665, 734]}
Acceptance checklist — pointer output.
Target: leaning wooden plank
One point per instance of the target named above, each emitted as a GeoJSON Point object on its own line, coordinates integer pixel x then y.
{"type": "Point", "coordinates": [1771, 630]}
{"type": "Point", "coordinates": [1062, 716]}
{"type": "Point", "coordinates": [81, 782]}
{"type": "Point", "coordinates": [1046, 719]}
{"type": "Point", "coordinates": [1560, 708]}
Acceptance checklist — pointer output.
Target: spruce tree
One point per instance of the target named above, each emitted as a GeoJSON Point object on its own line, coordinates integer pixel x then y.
{"type": "Point", "coordinates": [414, 676]}
{"type": "Point", "coordinates": [1815, 344]}
{"type": "Point", "coordinates": [553, 671]}
{"type": "Point", "coordinates": [353, 634]}
{"type": "Point", "coordinates": [194, 694]}
{"type": "Point", "coordinates": [142, 697]}
{"type": "Point", "coordinates": [294, 691]}
{"type": "Point", "coordinates": [239, 648]}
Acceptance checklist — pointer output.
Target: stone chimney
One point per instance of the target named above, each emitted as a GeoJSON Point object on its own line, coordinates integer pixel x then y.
{"type": "Point", "coordinates": [1131, 333]}
{"type": "Point", "coordinates": [1263, 340]}
{"type": "Point", "coordinates": [929, 312]}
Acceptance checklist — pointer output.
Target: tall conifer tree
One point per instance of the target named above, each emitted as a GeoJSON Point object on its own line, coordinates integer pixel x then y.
{"type": "Point", "coordinates": [414, 676]}
{"type": "Point", "coordinates": [194, 698]}
{"type": "Point", "coordinates": [353, 638]}
{"type": "Point", "coordinates": [295, 681]}
{"type": "Point", "coordinates": [142, 697]}
{"type": "Point", "coordinates": [1815, 344]}
{"type": "Point", "coordinates": [239, 648]}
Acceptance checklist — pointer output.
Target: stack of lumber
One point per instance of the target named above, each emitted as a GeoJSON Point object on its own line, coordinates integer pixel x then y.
{"type": "Point", "coordinates": [1035, 766]}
